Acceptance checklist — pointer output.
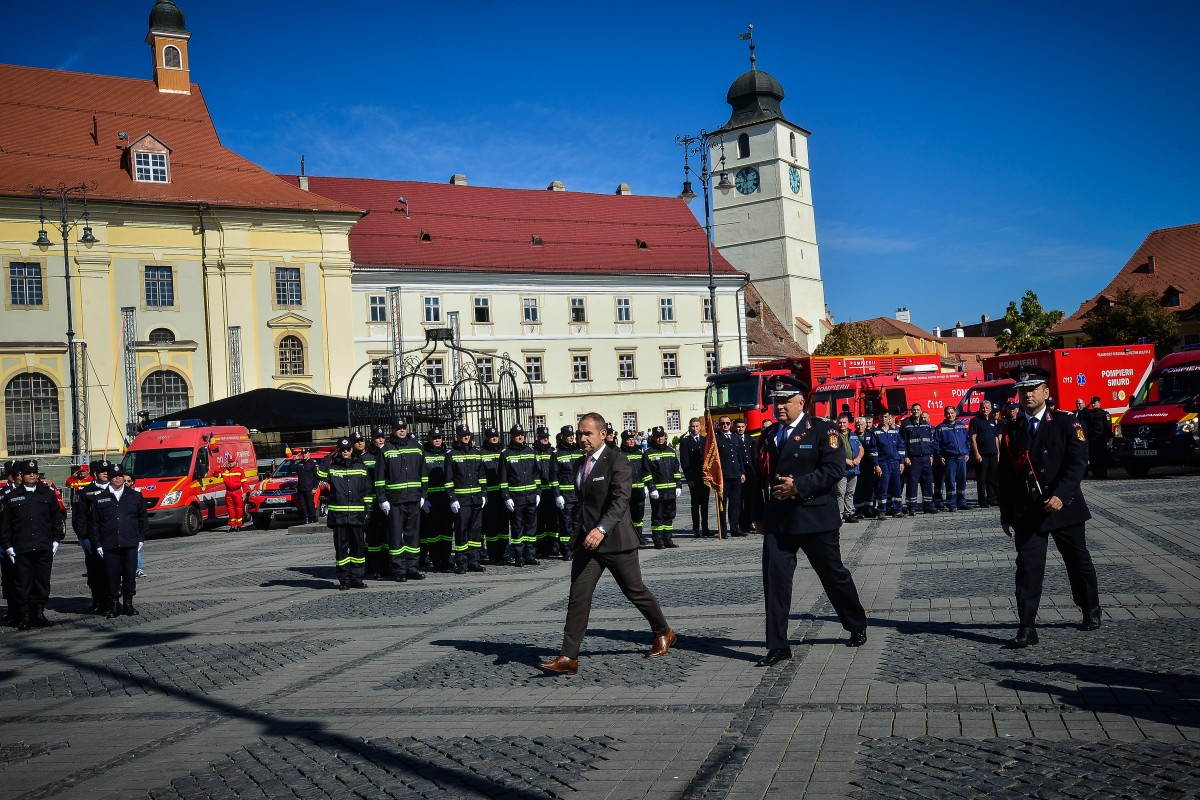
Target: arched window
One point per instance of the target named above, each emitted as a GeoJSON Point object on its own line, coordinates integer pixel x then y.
{"type": "Point", "coordinates": [291, 356]}
{"type": "Point", "coordinates": [31, 415]}
{"type": "Point", "coordinates": [164, 392]}
{"type": "Point", "coordinates": [744, 146]}
{"type": "Point", "coordinates": [171, 57]}
{"type": "Point", "coordinates": [793, 140]}
{"type": "Point", "coordinates": [162, 336]}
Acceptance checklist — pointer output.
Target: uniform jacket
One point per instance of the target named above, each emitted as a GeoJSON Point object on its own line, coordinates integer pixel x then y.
{"type": "Point", "coordinates": [370, 460]}
{"type": "Point", "coordinates": [604, 500]}
{"type": "Point", "coordinates": [813, 456]}
{"type": "Point", "coordinates": [749, 453]}
{"type": "Point", "coordinates": [306, 474]}
{"type": "Point", "coordinates": [984, 431]}
{"type": "Point", "coordinates": [661, 469]}
{"type": "Point", "coordinates": [436, 474]}
{"type": "Point", "coordinates": [563, 471]}
{"type": "Point", "coordinates": [119, 523]}
{"type": "Point", "coordinates": [1058, 457]}
{"type": "Point", "coordinates": [855, 448]}
{"type": "Point", "coordinates": [349, 483]}
{"type": "Point", "coordinates": [952, 439]}
{"type": "Point", "coordinates": [918, 438]}
{"type": "Point", "coordinates": [400, 473]}
{"type": "Point", "coordinates": [466, 479]}
{"type": "Point", "coordinates": [887, 445]}
{"type": "Point", "coordinates": [691, 456]}
{"type": "Point", "coordinates": [519, 479]}
{"type": "Point", "coordinates": [83, 508]}
{"type": "Point", "coordinates": [1096, 423]}
{"type": "Point", "coordinates": [490, 456]}
{"type": "Point", "coordinates": [730, 451]}
{"type": "Point", "coordinates": [637, 463]}
{"type": "Point", "coordinates": [30, 521]}
{"type": "Point", "coordinates": [545, 459]}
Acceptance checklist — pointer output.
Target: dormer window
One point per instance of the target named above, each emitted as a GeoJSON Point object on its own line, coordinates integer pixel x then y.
{"type": "Point", "coordinates": [151, 160]}
{"type": "Point", "coordinates": [171, 57]}
{"type": "Point", "coordinates": [1171, 297]}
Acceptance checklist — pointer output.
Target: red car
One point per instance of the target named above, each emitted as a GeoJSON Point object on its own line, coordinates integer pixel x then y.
{"type": "Point", "coordinates": [275, 497]}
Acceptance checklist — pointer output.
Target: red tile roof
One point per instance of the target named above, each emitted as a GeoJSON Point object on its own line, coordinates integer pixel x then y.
{"type": "Point", "coordinates": [46, 138]}
{"type": "Point", "coordinates": [886, 326]}
{"type": "Point", "coordinates": [1176, 262]}
{"type": "Point", "coordinates": [971, 349]}
{"type": "Point", "coordinates": [475, 228]}
{"type": "Point", "coordinates": [766, 338]}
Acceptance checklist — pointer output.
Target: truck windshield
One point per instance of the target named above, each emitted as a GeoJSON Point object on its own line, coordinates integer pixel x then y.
{"type": "Point", "coordinates": [1174, 386]}
{"type": "Point", "coordinates": [285, 470]}
{"type": "Point", "coordinates": [160, 463]}
{"type": "Point", "coordinates": [829, 404]}
{"type": "Point", "coordinates": [742, 395]}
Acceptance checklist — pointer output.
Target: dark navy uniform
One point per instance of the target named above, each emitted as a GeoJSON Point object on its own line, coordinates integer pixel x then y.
{"type": "Point", "coordinates": [864, 492]}
{"type": "Point", "coordinates": [637, 493]}
{"type": "Point", "coordinates": [983, 431]}
{"type": "Point", "coordinates": [97, 574]}
{"type": "Point", "coordinates": [521, 487]}
{"type": "Point", "coordinates": [8, 569]}
{"type": "Point", "coordinates": [547, 514]}
{"type": "Point", "coordinates": [691, 459]}
{"type": "Point", "coordinates": [662, 484]}
{"type": "Point", "coordinates": [563, 470]}
{"type": "Point", "coordinates": [31, 527]}
{"type": "Point", "coordinates": [466, 486]}
{"type": "Point", "coordinates": [732, 472]}
{"type": "Point", "coordinates": [346, 512]}
{"type": "Point", "coordinates": [749, 489]}
{"type": "Point", "coordinates": [400, 481]}
{"type": "Point", "coordinates": [919, 446]}
{"type": "Point", "coordinates": [495, 515]}
{"type": "Point", "coordinates": [1098, 427]}
{"type": "Point", "coordinates": [888, 453]}
{"type": "Point", "coordinates": [437, 524]}
{"type": "Point", "coordinates": [306, 484]}
{"type": "Point", "coordinates": [119, 526]}
{"type": "Point", "coordinates": [809, 451]}
{"type": "Point", "coordinates": [1038, 461]}
{"type": "Point", "coordinates": [378, 563]}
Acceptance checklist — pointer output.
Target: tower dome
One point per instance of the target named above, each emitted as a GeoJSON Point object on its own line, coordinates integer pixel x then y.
{"type": "Point", "coordinates": [754, 97]}
{"type": "Point", "coordinates": [166, 17]}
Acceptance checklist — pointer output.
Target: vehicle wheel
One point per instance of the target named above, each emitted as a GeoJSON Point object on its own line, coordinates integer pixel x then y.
{"type": "Point", "coordinates": [192, 522]}
{"type": "Point", "coordinates": [261, 522]}
{"type": "Point", "coordinates": [1137, 470]}
{"type": "Point", "coordinates": [322, 507]}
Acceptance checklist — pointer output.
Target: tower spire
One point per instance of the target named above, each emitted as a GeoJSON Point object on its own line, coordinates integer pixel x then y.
{"type": "Point", "coordinates": [750, 38]}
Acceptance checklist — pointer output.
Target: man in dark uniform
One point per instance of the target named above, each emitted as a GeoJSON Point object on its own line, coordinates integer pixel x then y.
{"type": "Point", "coordinates": [119, 525]}
{"type": "Point", "coordinates": [1043, 455]}
{"type": "Point", "coordinates": [982, 431]}
{"type": "Point", "coordinates": [97, 574]}
{"type": "Point", "coordinates": [349, 483]}
{"type": "Point", "coordinates": [691, 459]}
{"type": "Point", "coordinates": [662, 477]}
{"type": "Point", "coordinates": [400, 482]}
{"type": "Point", "coordinates": [522, 491]}
{"type": "Point", "coordinates": [8, 569]}
{"type": "Point", "coordinates": [733, 474]}
{"type": "Point", "coordinates": [437, 523]}
{"type": "Point", "coordinates": [547, 514]}
{"type": "Point", "coordinates": [306, 484]}
{"type": "Point", "coordinates": [495, 515]}
{"type": "Point", "coordinates": [919, 447]}
{"type": "Point", "coordinates": [637, 494]}
{"type": "Point", "coordinates": [378, 564]}
{"type": "Point", "coordinates": [749, 460]}
{"type": "Point", "coordinates": [1098, 427]}
{"type": "Point", "coordinates": [466, 486]}
{"type": "Point", "coordinates": [31, 527]}
{"type": "Point", "coordinates": [563, 470]}
{"type": "Point", "coordinates": [801, 463]}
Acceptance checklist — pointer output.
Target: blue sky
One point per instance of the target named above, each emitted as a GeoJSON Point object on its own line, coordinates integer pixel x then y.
{"type": "Point", "coordinates": [961, 153]}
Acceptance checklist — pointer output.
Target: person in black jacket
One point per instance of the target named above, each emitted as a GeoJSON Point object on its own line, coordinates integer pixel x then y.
{"type": "Point", "coordinates": [563, 469]}
{"type": "Point", "coordinates": [691, 460]}
{"type": "Point", "coordinates": [521, 487]}
{"type": "Point", "coordinates": [437, 523]}
{"type": "Point", "coordinates": [466, 486]}
{"type": "Point", "coordinates": [117, 527]}
{"type": "Point", "coordinates": [1043, 455]}
{"type": "Point", "coordinates": [306, 484]}
{"type": "Point", "coordinates": [31, 526]}
{"type": "Point", "coordinates": [97, 574]}
{"type": "Point", "coordinates": [1098, 427]}
{"type": "Point", "coordinates": [401, 491]}
{"type": "Point", "coordinates": [660, 466]}
{"type": "Point", "coordinates": [750, 487]}
{"type": "Point", "coordinates": [346, 512]}
{"type": "Point", "coordinates": [8, 569]}
{"type": "Point", "coordinates": [798, 510]}
{"type": "Point", "coordinates": [733, 475]}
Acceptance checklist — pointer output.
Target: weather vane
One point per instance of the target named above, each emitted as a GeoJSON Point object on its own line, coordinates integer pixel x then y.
{"type": "Point", "coordinates": [749, 37]}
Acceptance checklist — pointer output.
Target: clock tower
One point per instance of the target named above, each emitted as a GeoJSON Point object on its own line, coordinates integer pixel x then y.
{"type": "Point", "coordinates": [763, 209]}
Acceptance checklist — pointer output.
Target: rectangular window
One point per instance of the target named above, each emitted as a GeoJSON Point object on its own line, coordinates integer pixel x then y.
{"type": "Point", "coordinates": [666, 309]}
{"type": "Point", "coordinates": [433, 309]}
{"type": "Point", "coordinates": [484, 366]}
{"type": "Point", "coordinates": [629, 421]}
{"type": "Point", "coordinates": [539, 421]}
{"type": "Point", "coordinates": [673, 419]}
{"type": "Point", "coordinates": [624, 312]}
{"type": "Point", "coordinates": [25, 283]}
{"type": "Point", "coordinates": [380, 374]}
{"type": "Point", "coordinates": [578, 310]}
{"type": "Point", "coordinates": [533, 368]}
{"type": "Point", "coordinates": [710, 362]}
{"type": "Point", "coordinates": [435, 370]}
{"type": "Point", "coordinates": [1191, 341]}
{"type": "Point", "coordinates": [150, 167]}
{"type": "Point", "coordinates": [378, 305]}
{"type": "Point", "coordinates": [287, 286]}
{"type": "Point", "coordinates": [670, 362]}
{"type": "Point", "coordinates": [483, 310]}
{"type": "Point", "coordinates": [706, 309]}
{"type": "Point", "coordinates": [529, 309]}
{"type": "Point", "coordinates": [625, 366]}
{"type": "Point", "coordinates": [581, 368]}
{"type": "Point", "coordinates": [160, 287]}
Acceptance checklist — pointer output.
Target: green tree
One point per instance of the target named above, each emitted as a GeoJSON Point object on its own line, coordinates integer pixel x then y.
{"type": "Point", "coordinates": [1130, 317]}
{"type": "Point", "coordinates": [851, 339]}
{"type": "Point", "coordinates": [1029, 328]}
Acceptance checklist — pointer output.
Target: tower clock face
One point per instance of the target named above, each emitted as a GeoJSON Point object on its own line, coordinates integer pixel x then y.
{"type": "Point", "coordinates": [794, 179]}
{"type": "Point", "coordinates": [746, 180]}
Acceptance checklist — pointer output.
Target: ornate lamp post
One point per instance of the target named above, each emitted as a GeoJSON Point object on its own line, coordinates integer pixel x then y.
{"type": "Point", "coordinates": [62, 196]}
{"type": "Point", "coordinates": [700, 146]}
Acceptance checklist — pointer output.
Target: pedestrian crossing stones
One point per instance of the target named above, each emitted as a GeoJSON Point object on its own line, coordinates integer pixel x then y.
{"type": "Point", "coordinates": [380, 602]}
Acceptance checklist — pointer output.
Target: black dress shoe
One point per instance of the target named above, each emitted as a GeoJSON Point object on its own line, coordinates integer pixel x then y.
{"type": "Point", "coordinates": [857, 638]}
{"type": "Point", "coordinates": [476, 568]}
{"type": "Point", "coordinates": [532, 562]}
{"type": "Point", "coordinates": [415, 576]}
{"type": "Point", "coordinates": [129, 610]}
{"type": "Point", "coordinates": [911, 512]}
{"type": "Point", "coordinates": [1026, 637]}
{"type": "Point", "coordinates": [774, 656]}
{"type": "Point", "coordinates": [114, 611]}
{"type": "Point", "coordinates": [343, 587]}
{"type": "Point", "coordinates": [357, 584]}
{"type": "Point", "coordinates": [1091, 620]}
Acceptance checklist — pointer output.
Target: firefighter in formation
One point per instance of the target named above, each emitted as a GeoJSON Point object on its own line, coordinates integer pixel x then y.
{"type": "Point", "coordinates": [661, 477]}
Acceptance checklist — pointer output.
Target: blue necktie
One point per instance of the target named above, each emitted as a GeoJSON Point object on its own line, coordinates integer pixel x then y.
{"type": "Point", "coordinates": [782, 435]}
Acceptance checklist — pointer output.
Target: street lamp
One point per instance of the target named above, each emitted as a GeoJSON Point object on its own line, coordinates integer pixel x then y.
{"type": "Point", "coordinates": [62, 195]}
{"type": "Point", "coordinates": [700, 145]}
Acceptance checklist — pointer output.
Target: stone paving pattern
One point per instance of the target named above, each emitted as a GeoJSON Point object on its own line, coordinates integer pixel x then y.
{"type": "Point", "coordinates": [248, 674]}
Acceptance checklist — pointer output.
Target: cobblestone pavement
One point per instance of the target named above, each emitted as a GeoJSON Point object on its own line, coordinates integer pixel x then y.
{"type": "Point", "coordinates": [248, 675]}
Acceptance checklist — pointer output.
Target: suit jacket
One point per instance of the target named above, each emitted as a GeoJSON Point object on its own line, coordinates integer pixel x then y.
{"type": "Point", "coordinates": [691, 457]}
{"type": "Point", "coordinates": [1058, 454]}
{"type": "Point", "coordinates": [730, 451]}
{"type": "Point", "coordinates": [812, 455]}
{"type": "Point", "coordinates": [604, 500]}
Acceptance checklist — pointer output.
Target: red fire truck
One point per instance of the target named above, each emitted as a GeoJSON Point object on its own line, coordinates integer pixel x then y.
{"type": "Point", "coordinates": [869, 397]}
{"type": "Point", "coordinates": [1161, 426]}
{"type": "Point", "coordinates": [738, 391]}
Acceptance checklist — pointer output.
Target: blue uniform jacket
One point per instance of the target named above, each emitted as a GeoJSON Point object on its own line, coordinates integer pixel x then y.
{"type": "Point", "coordinates": [887, 446]}
{"type": "Point", "coordinates": [952, 440]}
{"type": "Point", "coordinates": [918, 438]}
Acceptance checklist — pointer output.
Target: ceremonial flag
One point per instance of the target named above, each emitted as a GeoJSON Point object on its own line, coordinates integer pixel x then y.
{"type": "Point", "coordinates": [287, 450]}
{"type": "Point", "coordinates": [711, 469]}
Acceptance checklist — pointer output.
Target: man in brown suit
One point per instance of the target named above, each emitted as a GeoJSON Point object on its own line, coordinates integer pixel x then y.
{"type": "Point", "coordinates": [605, 539]}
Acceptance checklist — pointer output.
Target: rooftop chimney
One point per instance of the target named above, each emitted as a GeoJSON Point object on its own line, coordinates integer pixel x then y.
{"type": "Point", "coordinates": [1150, 262]}
{"type": "Point", "coordinates": [903, 315]}
{"type": "Point", "coordinates": [556, 186]}
{"type": "Point", "coordinates": [304, 182]}
{"type": "Point", "coordinates": [458, 179]}
{"type": "Point", "coordinates": [623, 189]}
{"type": "Point", "coordinates": [958, 330]}
{"type": "Point", "coordinates": [983, 324]}
{"type": "Point", "coordinates": [937, 332]}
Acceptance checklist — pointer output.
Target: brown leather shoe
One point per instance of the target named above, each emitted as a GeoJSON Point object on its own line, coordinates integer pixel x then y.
{"type": "Point", "coordinates": [561, 665]}
{"type": "Point", "coordinates": [662, 644]}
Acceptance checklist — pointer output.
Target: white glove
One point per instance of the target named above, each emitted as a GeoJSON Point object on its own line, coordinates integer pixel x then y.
{"type": "Point", "coordinates": [537, 500]}
{"type": "Point", "coordinates": [426, 506]}
{"type": "Point", "coordinates": [558, 501]}
{"type": "Point", "coordinates": [86, 544]}
{"type": "Point", "coordinates": [510, 505]}
{"type": "Point", "coordinates": [455, 506]}
{"type": "Point", "coordinates": [654, 494]}
{"type": "Point", "coordinates": [678, 492]}
{"type": "Point", "coordinates": [100, 552]}
{"type": "Point", "coordinates": [54, 548]}
{"type": "Point", "coordinates": [12, 555]}
{"type": "Point", "coordinates": [484, 503]}
{"type": "Point", "coordinates": [385, 507]}
{"type": "Point", "coordinates": [140, 546]}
